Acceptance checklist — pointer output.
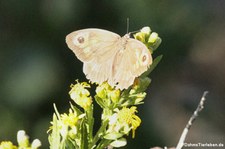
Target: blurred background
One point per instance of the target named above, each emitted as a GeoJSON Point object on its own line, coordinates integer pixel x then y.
{"type": "Point", "coordinates": [37, 68]}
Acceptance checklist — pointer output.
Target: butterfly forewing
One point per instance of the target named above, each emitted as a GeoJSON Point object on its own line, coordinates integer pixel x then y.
{"type": "Point", "coordinates": [89, 44]}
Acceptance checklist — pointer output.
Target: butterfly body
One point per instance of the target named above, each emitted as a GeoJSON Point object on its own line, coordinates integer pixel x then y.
{"type": "Point", "coordinates": [109, 57]}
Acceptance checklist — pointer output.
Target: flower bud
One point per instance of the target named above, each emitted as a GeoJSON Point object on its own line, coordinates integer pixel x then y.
{"type": "Point", "coordinates": [80, 95]}
{"type": "Point", "coordinates": [140, 36]}
{"type": "Point", "coordinates": [35, 144]}
{"type": "Point", "coordinates": [153, 37]}
{"type": "Point", "coordinates": [146, 30]}
{"type": "Point", "coordinates": [115, 95]}
{"type": "Point", "coordinates": [22, 139]}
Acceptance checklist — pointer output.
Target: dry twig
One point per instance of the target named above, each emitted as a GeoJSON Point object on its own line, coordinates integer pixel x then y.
{"type": "Point", "coordinates": [191, 120]}
{"type": "Point", "coordinates": [189, 124]}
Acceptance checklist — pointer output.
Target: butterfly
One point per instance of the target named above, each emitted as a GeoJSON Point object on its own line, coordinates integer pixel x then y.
{"type": "Point", "coordinates": [106, 56]}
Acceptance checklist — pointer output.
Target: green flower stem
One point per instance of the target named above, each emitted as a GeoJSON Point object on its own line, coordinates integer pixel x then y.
{"type": "Point", "coordinates": [74, 143]}
{"type": "Point", "coordinates": [103, 143]}
{"type": "Point", "coordinates": [99, 133]}
{"type": "Point", "coordinates": [84, 137]}
{"type": "Point", "coordinates": [90, 123]}
{"type": "Point", "coordinates": [63, 144]}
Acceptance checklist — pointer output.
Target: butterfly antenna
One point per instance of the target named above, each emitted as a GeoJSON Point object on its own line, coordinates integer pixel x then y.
{"type": "Point", "coordinates": [128, 25]}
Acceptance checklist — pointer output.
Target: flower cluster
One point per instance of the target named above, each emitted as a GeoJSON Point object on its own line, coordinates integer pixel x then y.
{"type": "Point", "coordinates": [149, 38]}
{"type": "Point", "coordinates": [65, 127]}
{"type": "Point", "coordinates": [80, 95]}
{"type": "Point", "coordinates": [23, 142]}
{"type": "Point", "coordinates": [107, 96]}
{"type": "Point", "coordinates": [118, 116]}
{"type": "Point", "coordinates": [124, 120]}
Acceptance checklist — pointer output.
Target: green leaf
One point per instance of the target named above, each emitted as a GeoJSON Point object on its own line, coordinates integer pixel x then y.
{"type": "Point", "coordinates": [155, 45]}
{"type": "Point", "coordinates": [113, 135]}
{"type": "Point", "coordinates": [72, 144]}
{"type": "Point", "coordinates": [100, 132]}
{"type": "Point", "coordinates": [56, 111]}
{"type": "Point", "coordinates": [69, 144]}
{"type": "Point", "coordinates": [141, 87]}
{"type": "Point", "coordinates": [145, 82]}
{"type": "Point", "coordinates": [100, 102]}
{"type": "Point", "coordinates": [119, 143]}
{"type": "Point", "coordinates": [79, 112]}
{"type": "Point", "coordinates": [54, 138]}
{"type": "Point", "coordinates": [84, 139]}
{"type": "Point", "coordinates": [152, 67]}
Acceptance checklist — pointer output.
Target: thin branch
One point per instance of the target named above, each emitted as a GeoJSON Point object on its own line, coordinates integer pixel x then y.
{"type": "Point", "coordinates": [191, 120]}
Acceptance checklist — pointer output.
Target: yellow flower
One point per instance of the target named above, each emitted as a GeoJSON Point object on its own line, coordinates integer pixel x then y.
{"type": "Point", "coordinates": [69, 123]}
{"type": "Point", "coordinates": [81, 95]}
{"type": "Point", "coordinates": [7, 145]}
{"type": "Point", "coordinates": [128, 116]}
{"type": "Point", "coordinates": [124, 120]}
{"type": "Point", "coordinates": [114, 95]}
{"type": "Point", "coordinates": [70, 119]}
{"type": "Point", "coordinates": [102, 90]}
{"type": "Point", "coordinates": [105, 91]}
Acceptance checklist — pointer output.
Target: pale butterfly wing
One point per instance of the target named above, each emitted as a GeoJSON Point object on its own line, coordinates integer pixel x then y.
{"type": "Point", "coordinates": [108, 57]}
{"type": "Point", "coordinates": [96, 48]}
{"type": "Point", "coordinates": [98, 72]}
{"type": "Point", "coordinates": [131, 62]}
{"type": "Point", "coordinates": [89, 44]}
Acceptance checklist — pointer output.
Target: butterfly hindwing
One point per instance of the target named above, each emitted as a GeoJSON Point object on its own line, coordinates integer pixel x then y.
{"type": "Point", "coordinates": [141, 55]}
{"type": "Point", "coordinates": [131, 63]}
{"type": "Point", "coordinates": [98, 72]}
